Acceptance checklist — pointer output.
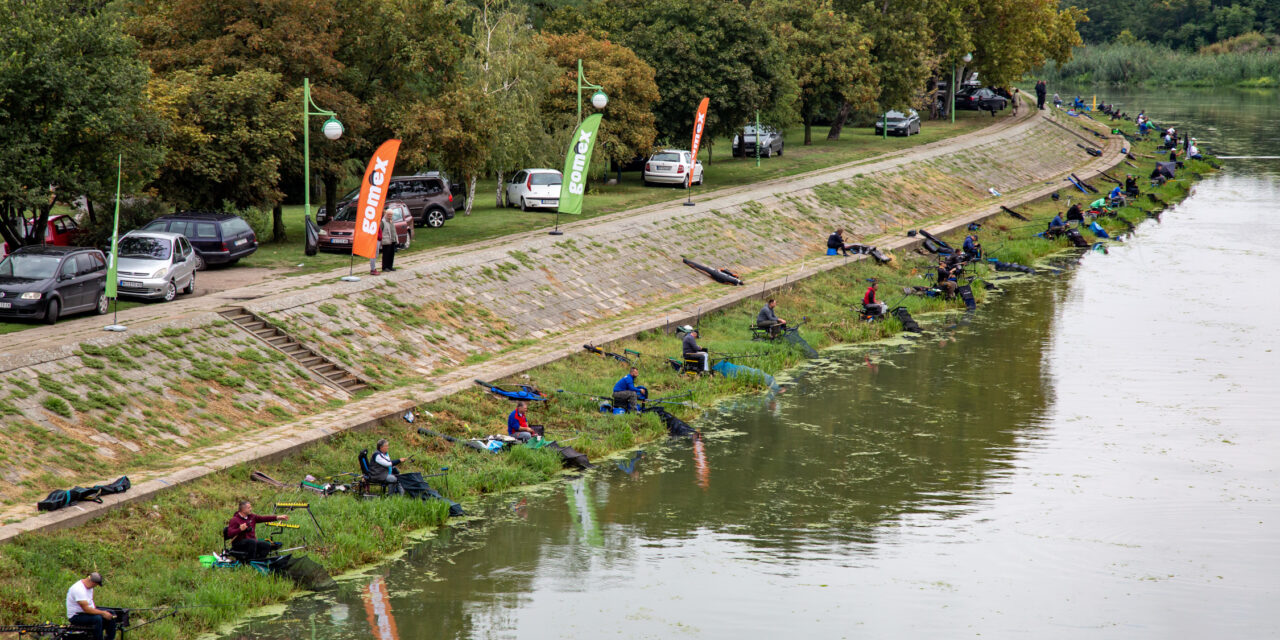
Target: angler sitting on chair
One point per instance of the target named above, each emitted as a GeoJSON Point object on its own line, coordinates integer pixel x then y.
{"type": "Point", "coordinates": [691, 351]}
{"type": "Point", "coordinates": [627, 394]}
{"type": "Point", "coordinates": [240, 531]}
{"type": "Point", "coordinates": [946, 279]}
{"type": "Point", "coordinates": [835, 243]}
{"type": "Point", "coordinates": [1130, 185]}
{"type": "Point", "coordinates": [869, 305]}
{"type": "Point", "coordinates": [518, 426]}
{"type": "Point", "coordinates": [82, 612]}
{"type": "Point", "coordinates": [972, 250]}
{"type": "Point", "coordinates": [769, 321]}
{"type": "Point", "coordinates": [1056, 227]}
{"type": "Point", "coordinates": [1074, 213]}
{"type": "Point", "coordinates": [1116, 198]}
{"type": "Point", "coordinates": [383, 466]}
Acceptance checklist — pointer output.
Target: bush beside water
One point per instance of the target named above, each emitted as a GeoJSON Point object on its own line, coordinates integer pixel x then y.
{"type": "Point", "coordinates": [1140, 63]}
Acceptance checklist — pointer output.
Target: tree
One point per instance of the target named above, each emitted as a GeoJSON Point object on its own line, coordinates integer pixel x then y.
{"type": "Point", "coordinates": [828, 54]}
{"type": "Point", "coordinates": [627, 129]}
{"type": "Point", "coordinates": [226, 133]}
{"type": "Point", "coordinates": [701, 48]}
{"type": "Point", "coordinates": [368, 60]}
{"type": "Point", "coordinates": [901, 56]}
{"type": "Point", "coordinates": [72, 97]}
{"type": "Point", "coordinates": [1012, 37]}
{"type": "Point", "coordinates": [508, 66]}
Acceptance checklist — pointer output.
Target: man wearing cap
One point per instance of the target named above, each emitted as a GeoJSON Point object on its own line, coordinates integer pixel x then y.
{"type": "Point", "coordinates": [692, 351]}
{"type": "Point", "coordinates": [81, 612]}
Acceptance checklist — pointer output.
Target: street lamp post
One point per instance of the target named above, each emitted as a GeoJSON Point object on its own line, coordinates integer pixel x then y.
{"type": "Point", "coordinates": [599, 100]}
{"type": "Point", "coordinates": [968, 57]}
{"type": "Point", "coordinates": [332, 130]}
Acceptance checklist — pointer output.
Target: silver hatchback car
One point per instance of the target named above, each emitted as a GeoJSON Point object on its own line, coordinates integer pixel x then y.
{"type": "Point", "coordinates": [155, 264]}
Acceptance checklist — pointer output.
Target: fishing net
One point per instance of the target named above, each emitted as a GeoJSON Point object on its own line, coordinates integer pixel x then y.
{"type": "Point", "coordinates": [731, 370]}
{"type": "Point", "coordinates": [908, 323]}
{"type": "Point", "coordinates": [304, 572]}
{"type": "Point", "coordinates": [793, 336]}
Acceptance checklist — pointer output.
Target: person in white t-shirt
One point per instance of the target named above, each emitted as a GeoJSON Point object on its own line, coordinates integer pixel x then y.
{"type": "Point", "coordinates": [82, 612]}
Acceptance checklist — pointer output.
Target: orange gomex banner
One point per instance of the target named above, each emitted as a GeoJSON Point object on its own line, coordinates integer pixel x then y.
{"type": "Point", "coordinates": [373, 197]}
{"type": "Point", "coordinates": [699, 122]}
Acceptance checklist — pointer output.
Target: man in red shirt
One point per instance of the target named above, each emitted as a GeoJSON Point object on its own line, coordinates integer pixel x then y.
{"type": "Point", "coordinates": [240, 531]}
{"type": "Point", "coordinates": [869, 301]}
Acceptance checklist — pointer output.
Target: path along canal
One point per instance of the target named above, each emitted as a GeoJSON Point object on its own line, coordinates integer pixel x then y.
{"type": "Point", "coordinates": [1094, 454]}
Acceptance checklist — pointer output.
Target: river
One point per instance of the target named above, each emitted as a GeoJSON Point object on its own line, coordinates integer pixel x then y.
{"type": "Point", "coordinates": [1092, 454]}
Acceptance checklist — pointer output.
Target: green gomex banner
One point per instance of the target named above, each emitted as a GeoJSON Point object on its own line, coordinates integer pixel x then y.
{"type": "Point", "coordinates": [574, 182]}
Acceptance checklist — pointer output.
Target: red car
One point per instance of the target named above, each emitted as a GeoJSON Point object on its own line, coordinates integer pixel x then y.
{"type": "Point", "coordinates": [62, 232]}
{"type": "Point", "coordinates": [336, 234]}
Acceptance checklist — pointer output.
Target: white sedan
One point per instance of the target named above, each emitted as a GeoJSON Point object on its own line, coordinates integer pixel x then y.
{"type": "Point", "coordinates": [534, 189]}
{"type": "Point", "coordinates": [671, 166]}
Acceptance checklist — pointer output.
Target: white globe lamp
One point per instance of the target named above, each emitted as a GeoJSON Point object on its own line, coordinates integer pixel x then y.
{"type": "Point", "coordinates": [599, 100]}
{"type": "Point", "coordinates": [332, 129]}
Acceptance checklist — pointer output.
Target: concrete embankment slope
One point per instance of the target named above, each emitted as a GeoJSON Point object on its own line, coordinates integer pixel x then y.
{"type": "Point", "coordinates": [209, 394]}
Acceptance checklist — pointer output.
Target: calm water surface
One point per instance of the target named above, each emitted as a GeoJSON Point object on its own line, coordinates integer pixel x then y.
{"type": "Point", "coordinates": [1095, 454]}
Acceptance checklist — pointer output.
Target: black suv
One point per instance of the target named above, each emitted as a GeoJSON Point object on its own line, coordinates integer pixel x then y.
{"type": "Point", "coordinates": [430, 197]}
{"type": "Point", "coordinates": [48, 281]}
{"type": "Point", "coordinates": [217, 237]}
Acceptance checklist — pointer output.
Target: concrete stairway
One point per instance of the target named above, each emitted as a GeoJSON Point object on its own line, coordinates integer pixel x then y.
{"type": "Point", "coordinates": [317, 364]}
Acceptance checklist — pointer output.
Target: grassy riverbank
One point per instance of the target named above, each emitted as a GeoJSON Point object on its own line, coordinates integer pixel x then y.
{"type": "Point", "coordinates": [150, 550]}
{"type": "Point", "coordinates": [1141, 63]}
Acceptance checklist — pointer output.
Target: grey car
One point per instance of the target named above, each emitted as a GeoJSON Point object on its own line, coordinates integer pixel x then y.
{"type": "Point", "coordinates": [155, 264]}
{"type": "Point", "coordinates": [771, 143]}
{"type": "Point", "coordinates": [900, 124]}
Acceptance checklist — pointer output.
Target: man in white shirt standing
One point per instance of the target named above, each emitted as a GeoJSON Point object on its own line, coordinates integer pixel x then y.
{"type": "Point", "coordinates": [81, 611]}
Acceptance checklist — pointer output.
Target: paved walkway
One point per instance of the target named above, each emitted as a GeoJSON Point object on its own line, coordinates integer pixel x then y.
{"type": "Point", "coordinates": [276, 442]}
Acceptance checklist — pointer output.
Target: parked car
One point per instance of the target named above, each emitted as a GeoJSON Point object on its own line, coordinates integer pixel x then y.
{"type": "Point", "coordinates": [534, 189]}
{"type": "Point", "coordinates": [670, 166]}
{"type": "Point", "coordinates": [218, 238]}
{"type": "Point", "coordinates": [47, 282]}
{"type": "Point", "coordinates": [980, 99]}
{"type": "Point", "coordinates": [62, 232]}
{"type": "Point", "coordinates": [770, 143]}
{"type": "Point", "coordinates": [430, 196]}
{"type": "Point", "coordinates": [900, 124]}
{"type": "Point", "coordinates": [155, 264]}
{"type": "Point", "coordinates": [336, 234]}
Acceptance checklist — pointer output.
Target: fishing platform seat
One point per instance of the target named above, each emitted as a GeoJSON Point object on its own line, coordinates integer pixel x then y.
{"type": "Point", "coordinates": [368, 479]}
{"type": "Point", "coordinates": [689, 365]}
{"type": "Point", "coordinates": [871, 312]}
{"type": "Point", "coordinates": [771, 332]}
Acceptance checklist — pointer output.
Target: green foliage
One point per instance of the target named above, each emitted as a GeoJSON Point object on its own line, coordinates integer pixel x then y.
{"type": "Point", "coordinates": [227, 136]}
{"type": "Point", "coordinates": [1185, 25]}
{"type": "Point", "coordinates": [72, 95]}
{"type": "Point", "coordinates": [828, 53]}
{"type": "Point", "coordinates": [702, 48]}
{"type": "Point", "coordinates": [57, 405]}
{"type": "Point", "coordinates": [628, 128]}
{"type": "Point", "coordinates": [1143, 63]}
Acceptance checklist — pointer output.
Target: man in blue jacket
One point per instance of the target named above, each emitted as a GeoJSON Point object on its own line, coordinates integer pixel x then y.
{"type": "Point", "coordinates": [627, 394]}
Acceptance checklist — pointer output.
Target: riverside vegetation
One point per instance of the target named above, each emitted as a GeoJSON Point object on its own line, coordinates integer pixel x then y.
{"type": "Point", "coordinates": [149, 550]}
{"type": "Point", "coordinates": [1141, 63]}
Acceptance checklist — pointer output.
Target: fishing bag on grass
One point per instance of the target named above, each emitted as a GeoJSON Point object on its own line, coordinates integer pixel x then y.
{"type": "Point", "coordinates": [966, 293]}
